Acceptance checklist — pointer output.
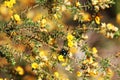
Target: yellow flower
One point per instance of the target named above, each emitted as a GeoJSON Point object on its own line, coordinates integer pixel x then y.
{"type": "Point", "coordinates": [17, 17]}
{"type": "Point", "coordinates": [93, 73]}
{"type": "Point", "coordinates": [42, 53]}
{"type": "Point", "coordinates": [43, 22]}
{"type": "Point", "coordinates": [8, 4]}
{"type": "Point", "coordinates": [13, 1]}
{"type": "Point", "coordinates": [64, 64]}
{"type": "Point", "coordinates": [78, 73]}
{"type": "Point", "coordinates": [56, 74]}
{"type": "Point", "coordinates": [1, 78]}
{"type": "Point", "coordinates": [75, 17]}
{"type": "Point", "coordinates": [90, 60]}
{"type": "Point", "coordinates": [70, 37]}
{"type": "Point", "coordinates": [86, 17]}
{"type": "Point", "coordinates": [84, 36]}
{"type": "Point", "coordinates": [94, 50]}
{"type": "Point", "coordinates": [20, 70]}
{"type": "Point", "coordinates": [34, 65]}
{"type": "Point", "coordinates": [77, 4]}
{"type": "Point", "coordinates": [95, 64]}
{"type": "Point", "coordinates": [85, 61]}
{"type": "Point", "coordinates": [51, 41]}
{"type": "Point", "coordinates": [70, 43]}
{"type": "Point", "coordinates": [61, 58]}
{"type": "Point", "coordinates": [110, 26]}
{"type": "Point", "coordinates": [95, 2]}
{"type": "Point", "coordinates": [55, 16]}
{"type": "Point", "coordinates": [97, 20]}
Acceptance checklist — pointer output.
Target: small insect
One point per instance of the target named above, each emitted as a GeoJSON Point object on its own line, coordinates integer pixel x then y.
{"type": "Point", "coordinates": [63, 52]}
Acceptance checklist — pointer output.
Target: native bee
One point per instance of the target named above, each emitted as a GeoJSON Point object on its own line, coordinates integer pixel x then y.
{"type": "Point", "coordinates": [64, 52]}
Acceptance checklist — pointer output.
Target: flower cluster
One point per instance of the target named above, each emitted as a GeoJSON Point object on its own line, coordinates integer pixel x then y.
{"type": "Point", "coordinates": [10, 3]}
{"type": "Point", "coordinates": [101, 4]}
{"type": "Point", "coordinates": [70, 38]}
{"type": "Point", "coordinates": [39, 42]}
{"type": "Point", "coordinates": [108, 30]}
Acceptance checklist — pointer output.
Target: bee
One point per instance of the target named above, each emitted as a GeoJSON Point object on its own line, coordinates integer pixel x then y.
{"type": "Point", "coordinates": [64, 52]}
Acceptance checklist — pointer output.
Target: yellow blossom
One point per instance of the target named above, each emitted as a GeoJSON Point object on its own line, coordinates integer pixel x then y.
{"type": "Point", "coordinates": [86, 17]}
{"type": "Point", "coordinates": [93, 73]}
{"type": "Point", "coordinates": [84, 36]}
{"type": "Point", "coordinates": [41, 64]}
{"type": "Point", "coordinates": [88, 70]}
{"type": "Point", "coordinates": [97, 20]}
{"type": "Point", "coordinates": [110, 26]}
{"type": "Point", "coordinates": [70, 43]}
{"type": "Point", "coordinates": [85, 61]}
{"type": "Point", "coordinates": [70, 37]}
{"type": "Point", "coordinates": [8, 4]}
{"type": "Point", "coordinates": [95, 64]}
{"type": "Point", "coordinates": [75, 17]}
{"type": "Point", "coordinates": [56, 74]}
{"type": "Point", "coordinates": [20, 70]}
{"type": "Point", "coordinates": [55, 16]}
{"type": "Point", "coordinates": [43, 22]}
{"type": "Point", "coordinates": [13, 1]}
{"type": "Point", "coordinates": [51, 41]}
{"type": "Point", "coordinates": [61, 58]}
{"type": "Point", "coordinates": [42, 53]}
{"type": "Point", "coordinates": [95, 2]}
{"type": "Point", "coordinates": [63, 8]}
{"type": "Point", "coordinates": [64, 64]}
{"type": "Point", "coordinates": [94, 50]}
{"type": "Point", "coordinates": [77, 4]}
{"type": "Point", "coordinates": [90, 60]}
{"type": "Point", "coordinates": [1, 78]}
{"type": "Point", "coordinates": [17, 17]}
{"type": "Point", "coordinates": [78, 73]}
{"type": "Point", "coordinates": [34, 65]}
